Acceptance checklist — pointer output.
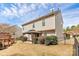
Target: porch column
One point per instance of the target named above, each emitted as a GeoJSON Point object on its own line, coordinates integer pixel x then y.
{"type": "Point", "coordinates": [32, 37]}
{"type": "Point", "coordinates": [8, 42]}
{"type": "Point", "coordinates": [28, 37]}
{"type": "Point", "coordinates": [45, 34]}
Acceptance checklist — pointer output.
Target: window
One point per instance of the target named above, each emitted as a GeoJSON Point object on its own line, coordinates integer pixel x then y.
{"type": "Point", "coordinates": [43, 22]}
{"type": "Point", "coordinates": [23, 28]}
{"type": "Point", "coordinates": [33, 25]}
{"type": "Point", "coordinates": [13, 33]}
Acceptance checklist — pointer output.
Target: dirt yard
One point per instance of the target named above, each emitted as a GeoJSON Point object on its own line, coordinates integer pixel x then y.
{"type": "Point", "coordinates": [28, 49]}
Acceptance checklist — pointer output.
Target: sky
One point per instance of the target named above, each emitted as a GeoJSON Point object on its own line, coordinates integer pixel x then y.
{"type": "Point", "coordinates": [20, 13]}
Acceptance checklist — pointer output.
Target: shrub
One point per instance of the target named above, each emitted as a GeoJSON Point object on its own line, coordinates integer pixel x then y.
{"type": "Point", "coordinates": [51, 40]}
{"type": "Point", "coordinates": [22, 38]}
{"type": "Point", "coordinates": [35, 41]}
{"type": "Point", "coordinates": [41, 40]}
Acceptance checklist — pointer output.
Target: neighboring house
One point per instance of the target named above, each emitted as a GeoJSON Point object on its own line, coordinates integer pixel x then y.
{"type": "Point", "coordinates": [14, 30]}
{"type": "Point", "coordinates": [72, 32]}
{"type": "Point", "coordinates": [3, 26]}
{"type": "Point", "coordinates": [47, 25]}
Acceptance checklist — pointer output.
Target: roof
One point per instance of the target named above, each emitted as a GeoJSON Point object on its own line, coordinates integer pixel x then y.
{"type": "Point", "coordinates": [42, 17]}
{"type": "Point", "coordinates": [34, 31]}
{"type": "Point", "coordinates": [3, 26]}
{"type": "Point", "coordinates": [31, 32]}
{"type": "Point", "coordinates": [74, 31]}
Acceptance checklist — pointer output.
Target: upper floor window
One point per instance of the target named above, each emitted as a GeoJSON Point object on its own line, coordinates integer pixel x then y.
{"type": "Point", "coordinates": [43, 22]}
{"type": "Point", "coordinates": [23, 28]}
{"type": "Point", "coordinates": [33, 25]}
{"type": "Point", "coordinates": [13, 33]}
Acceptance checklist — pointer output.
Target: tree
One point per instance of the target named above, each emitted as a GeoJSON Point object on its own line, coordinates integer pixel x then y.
{"type": "Point", "coordinates": [72, 27]}
{"type": "Point", "coordinates": [64, 30]}
{"type": "Point", "coordinates": [78, 26]}
{"type": "Point", "coordinates": [68, 28]}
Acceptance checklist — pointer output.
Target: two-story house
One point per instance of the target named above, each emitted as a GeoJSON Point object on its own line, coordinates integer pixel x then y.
{"type": "Point", "coordinates": [50, 24]}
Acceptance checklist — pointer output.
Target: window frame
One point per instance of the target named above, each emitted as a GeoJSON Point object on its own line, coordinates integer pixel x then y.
{"type": "Point", "coordinates": [43, 22]}
{"type": "Point", "coordinates": [33, 25]}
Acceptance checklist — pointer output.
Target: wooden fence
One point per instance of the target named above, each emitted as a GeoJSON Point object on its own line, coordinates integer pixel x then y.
{"type": "Point", "coordinates": [76, 47]}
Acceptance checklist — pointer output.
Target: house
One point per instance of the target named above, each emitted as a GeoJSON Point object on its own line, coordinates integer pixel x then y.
{"type": "Point", "coordinates": [3, 26]}
{"type": "Point", "coordinates": [14, 30]}
{"type": "Point", "coordinates": [47, 25]}
{"type": "Point", "coordinates": [73, 32]}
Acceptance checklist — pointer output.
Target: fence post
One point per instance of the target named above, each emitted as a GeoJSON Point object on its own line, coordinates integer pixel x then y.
{"type": "Point", "coordinates": [64, 39]}
{"type": "Point", "coordinates": [76, 46]}
{"type": "Point", "coordinates": [77, 50]}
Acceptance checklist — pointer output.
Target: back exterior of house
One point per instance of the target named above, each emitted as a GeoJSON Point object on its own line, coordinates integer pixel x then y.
{"type": "Point", "coordinates": [47, 25]}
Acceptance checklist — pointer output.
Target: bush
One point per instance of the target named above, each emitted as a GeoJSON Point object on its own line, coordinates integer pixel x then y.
{"type": "Point", "coordinates": [51, 40]}
{"type": "Point", "coordinates": [22, 38]}
{"type": "Point", "coordinates": [41, 40]}
{"type": "Point", "coordinates": [35, 41]}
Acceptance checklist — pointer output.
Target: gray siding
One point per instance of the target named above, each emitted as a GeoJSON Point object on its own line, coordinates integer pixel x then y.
{"type": "Point", "coordinates": [59, 26]}
{"type": "Point", "coordinates": [49, 24]}
{"type": "Point", "coordinates": [53, 22]}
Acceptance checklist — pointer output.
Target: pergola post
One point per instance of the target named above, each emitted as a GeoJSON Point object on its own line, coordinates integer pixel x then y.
{"type": "Point", "coordinates": [3, 43]}
{"type": "Point", "coordinates": [32, 37]}
{"type": "Point", "coordinates": [8, 42]}
{"type": "Point", "coordinates": [45, 35]}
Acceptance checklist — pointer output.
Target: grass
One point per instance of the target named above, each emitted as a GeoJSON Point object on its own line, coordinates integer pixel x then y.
{"type": "Point", "coordinates": [27, 49]}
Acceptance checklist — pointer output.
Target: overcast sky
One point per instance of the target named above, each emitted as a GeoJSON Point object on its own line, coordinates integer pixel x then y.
{"type": "Point", "coordinates": [19, 13]}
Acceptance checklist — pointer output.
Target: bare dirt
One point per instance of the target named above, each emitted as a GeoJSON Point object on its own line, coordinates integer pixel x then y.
{"type": "Point", "coordinates": [29, 49]}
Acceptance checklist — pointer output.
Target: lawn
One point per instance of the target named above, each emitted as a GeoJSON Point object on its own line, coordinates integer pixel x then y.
{"type": "Point", "coordinates": [28, 49]}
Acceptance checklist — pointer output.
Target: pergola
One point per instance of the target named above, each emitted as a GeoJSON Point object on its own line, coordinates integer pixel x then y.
{"type": "Point", "coordinates": [5, 39]}
{"type": "Point", "coordinates": [34, 34]}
